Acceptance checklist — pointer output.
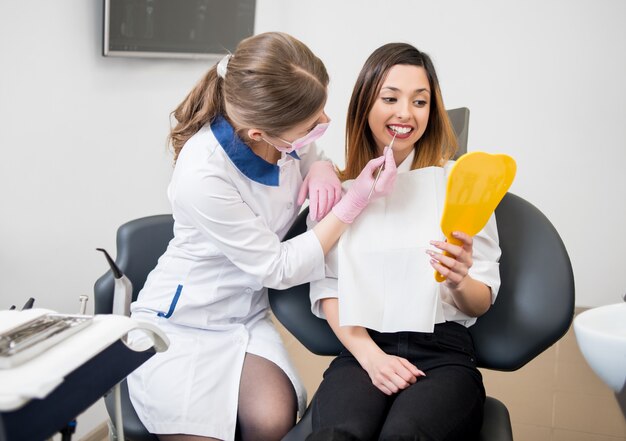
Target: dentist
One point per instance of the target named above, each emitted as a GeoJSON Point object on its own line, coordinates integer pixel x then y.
{"type": "Point", "coordinates": [245, 159]}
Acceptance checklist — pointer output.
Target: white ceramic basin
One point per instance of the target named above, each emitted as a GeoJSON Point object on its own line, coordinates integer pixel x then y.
{"type": "Point", "coordinates": [601, 336]}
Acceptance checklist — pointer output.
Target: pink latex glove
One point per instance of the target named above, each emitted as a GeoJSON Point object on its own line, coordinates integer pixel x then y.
{"type": "Point", "coordinates": [323, 187]}
{"type": "Point", "coordinates": [356, 199]}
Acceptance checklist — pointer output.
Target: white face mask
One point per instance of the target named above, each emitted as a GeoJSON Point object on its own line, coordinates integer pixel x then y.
{"type": "Point", "coordinates": [307, 139]}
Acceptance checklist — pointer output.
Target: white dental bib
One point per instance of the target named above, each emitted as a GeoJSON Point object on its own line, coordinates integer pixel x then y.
{"type": "Point", "coordinates": [386, 282]}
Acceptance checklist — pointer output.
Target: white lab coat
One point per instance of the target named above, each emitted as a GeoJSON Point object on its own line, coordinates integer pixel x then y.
{"type": "Point", "coordinates": [208, 291]}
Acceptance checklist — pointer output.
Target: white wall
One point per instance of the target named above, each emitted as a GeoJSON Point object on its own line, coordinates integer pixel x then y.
{"type": "Point", "coordinates": [83, 137]}
{"type": "Point", "coordinates": [83, 146]}
{"type": "Point", "coordinates": [544, 81]}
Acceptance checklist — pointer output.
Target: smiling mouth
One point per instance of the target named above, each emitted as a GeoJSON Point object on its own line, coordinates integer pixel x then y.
{"type": "Point", "coordinates": [400, 130]}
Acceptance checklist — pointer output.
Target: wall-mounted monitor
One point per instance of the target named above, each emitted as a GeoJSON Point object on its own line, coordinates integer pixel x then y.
{"type": "Point", "coordinates": [176, 28]}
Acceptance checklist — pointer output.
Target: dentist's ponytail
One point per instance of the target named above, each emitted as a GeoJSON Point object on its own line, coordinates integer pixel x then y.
{"type": "Point", "coordinates": [199, 107]}
{"type": "Point", "coordinates": [272, 82]}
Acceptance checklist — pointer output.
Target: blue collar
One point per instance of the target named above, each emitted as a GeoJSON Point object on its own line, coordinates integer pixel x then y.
{"type": "Point", "coordinates": [252, 166]}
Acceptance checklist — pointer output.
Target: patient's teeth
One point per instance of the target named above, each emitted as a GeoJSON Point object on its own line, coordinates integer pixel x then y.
{"type": "Point", "coordinates": [401, 130]}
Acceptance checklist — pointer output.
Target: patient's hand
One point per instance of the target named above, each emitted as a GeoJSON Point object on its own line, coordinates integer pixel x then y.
{"type": "Point", "coordinates": [454, 261]}
{"type": "Point", "coordinates": [470, 296]}
{"type": "Point", "coordinates": [389, 373]}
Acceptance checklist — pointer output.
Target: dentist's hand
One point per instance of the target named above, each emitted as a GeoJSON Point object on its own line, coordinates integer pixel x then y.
{"type": "Point", "coordinates": [323, 187]}
{"type": "Point", "coordinates": [357, 197]}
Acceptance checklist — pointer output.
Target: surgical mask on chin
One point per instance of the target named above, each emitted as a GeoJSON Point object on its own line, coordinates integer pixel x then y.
{"type": "Point", "coordinates": [307, 139]}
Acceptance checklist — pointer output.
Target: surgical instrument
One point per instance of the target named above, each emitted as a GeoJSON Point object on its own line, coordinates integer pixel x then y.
{"type": "Point", "coordinates": [380, 169]}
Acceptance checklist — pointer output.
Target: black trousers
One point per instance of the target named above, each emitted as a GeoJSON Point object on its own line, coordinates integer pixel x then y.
{"type": "Point", "coordinates": [445, 405]}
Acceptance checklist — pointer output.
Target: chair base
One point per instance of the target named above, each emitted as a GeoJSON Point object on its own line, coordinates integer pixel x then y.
{"type": "Point", "coordinates": [496, 422]}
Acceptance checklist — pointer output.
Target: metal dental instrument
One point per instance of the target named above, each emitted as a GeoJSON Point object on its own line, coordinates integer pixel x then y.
{"type": "Point", "coordinates": [380, 169]}
{"type": "Point", "coordinates": [26, 341]}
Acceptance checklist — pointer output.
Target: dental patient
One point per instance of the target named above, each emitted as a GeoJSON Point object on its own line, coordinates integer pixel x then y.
{"type": "Point", "coordinates": [408, 370]}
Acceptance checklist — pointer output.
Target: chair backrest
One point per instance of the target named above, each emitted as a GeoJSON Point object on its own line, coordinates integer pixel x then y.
{"type": "Point", "coordinates": [140, 243]}
{"type": "Point", "coordinates": [460, 122]}
{"type": "Point", "coordinates": [292, 308]}
{"type": "Point", "coordinates": [534, 308]}
{"type": "Point", "coordinates": [535, 304]}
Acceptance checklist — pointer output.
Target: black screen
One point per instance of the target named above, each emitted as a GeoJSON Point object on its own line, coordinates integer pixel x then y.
{"type": "Point", "coordinates": [176, 27]}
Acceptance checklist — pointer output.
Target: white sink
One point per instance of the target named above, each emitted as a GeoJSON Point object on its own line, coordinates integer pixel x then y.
{"type": "Point", "coordinates": [601, 336]}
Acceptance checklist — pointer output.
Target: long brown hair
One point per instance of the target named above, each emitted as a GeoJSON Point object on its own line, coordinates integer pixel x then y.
{"type": "Point", "coordinates": [273, 82]}
{"type": "Point", "coordinates": [437, 144]}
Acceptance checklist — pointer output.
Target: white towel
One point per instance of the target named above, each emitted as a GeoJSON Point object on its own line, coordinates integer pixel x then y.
{"type": "Point", "coordinates": [386, 282]}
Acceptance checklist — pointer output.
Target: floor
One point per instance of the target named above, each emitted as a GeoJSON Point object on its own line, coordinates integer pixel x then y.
{"type": "Point", "coordinates": [555, 397]}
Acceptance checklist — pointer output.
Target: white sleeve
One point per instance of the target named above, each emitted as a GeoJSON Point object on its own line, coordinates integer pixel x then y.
{"type": "Point", "coordinates": [327, 287]}
{"type": "Point", "coordinates": [485, 267]}
{"type": "Point", "coordinates": [214, 206]}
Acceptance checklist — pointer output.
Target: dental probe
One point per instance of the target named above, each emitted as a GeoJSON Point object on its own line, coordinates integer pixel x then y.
{"type": "Point", "coordinates": [380, 169]}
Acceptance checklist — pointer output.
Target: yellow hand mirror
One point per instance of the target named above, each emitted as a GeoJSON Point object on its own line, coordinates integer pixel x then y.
{"type": "Point", "coordinates": [477, 183]}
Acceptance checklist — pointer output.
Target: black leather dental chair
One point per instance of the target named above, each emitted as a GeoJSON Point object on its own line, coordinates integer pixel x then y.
{"type": "Point", "coordinates": [140, 243]}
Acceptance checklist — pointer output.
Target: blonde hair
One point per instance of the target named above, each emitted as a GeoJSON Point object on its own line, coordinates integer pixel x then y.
{"type": "Point", "coordinates": [438, 143]}
{"type": "Point", "coordinates": [273, 82]}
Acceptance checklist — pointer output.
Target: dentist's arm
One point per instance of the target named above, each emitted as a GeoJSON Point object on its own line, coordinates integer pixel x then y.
{"type": "Point", "coordinates": [387, 372]}
{"type": "Point", "coordinates": [329, 229]}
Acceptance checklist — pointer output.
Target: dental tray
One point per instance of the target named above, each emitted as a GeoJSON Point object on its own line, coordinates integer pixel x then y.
{"type": "Point", "coordinates": [27, 340]}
